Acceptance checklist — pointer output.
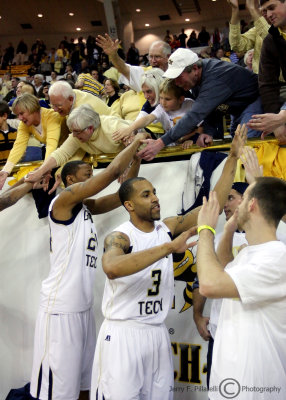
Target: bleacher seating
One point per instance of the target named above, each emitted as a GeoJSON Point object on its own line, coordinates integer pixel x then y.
{"type": "Point", "coordinates": [16, 70]}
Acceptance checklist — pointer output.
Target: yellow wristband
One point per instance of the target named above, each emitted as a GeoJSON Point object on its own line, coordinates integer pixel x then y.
{"type": "Point", "coordinates": [201, 227]}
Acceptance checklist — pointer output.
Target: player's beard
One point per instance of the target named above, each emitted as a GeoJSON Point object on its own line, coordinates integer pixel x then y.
{"type": "Point", "coordinates": [155, 214]}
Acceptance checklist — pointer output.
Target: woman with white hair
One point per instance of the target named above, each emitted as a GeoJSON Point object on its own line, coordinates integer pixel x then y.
{"type": "Point", "coordinates": [150, 83]}
{"type": "Point", "coordinates": [42, 123]}
{"type": "Point", "coordinates": [90, 133]}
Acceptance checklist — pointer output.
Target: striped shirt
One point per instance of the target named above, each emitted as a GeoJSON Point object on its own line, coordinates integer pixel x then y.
{"type": "Point", "coordinates": [91, 85]}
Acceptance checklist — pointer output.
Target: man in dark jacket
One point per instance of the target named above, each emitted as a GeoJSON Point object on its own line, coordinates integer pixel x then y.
{"type": "Point", "coordinates": [273, 55]}
{"type": "Point", "coordinates": [272, 61]}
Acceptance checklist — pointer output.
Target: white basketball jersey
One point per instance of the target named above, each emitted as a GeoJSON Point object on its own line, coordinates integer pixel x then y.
{"type": "Point", "coordinates": [146, 295]}
{"type": "Point", "coordinates": [73, 256]}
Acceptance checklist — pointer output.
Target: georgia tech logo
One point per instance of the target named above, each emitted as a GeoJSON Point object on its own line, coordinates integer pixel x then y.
{"type": "Point", "coordinates": [185, 270]}
{"type": "Point", "coordinates": [170, 62]}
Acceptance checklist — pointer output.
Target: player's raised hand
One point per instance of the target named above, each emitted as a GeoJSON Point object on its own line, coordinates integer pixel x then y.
{"type": "Point", "coordinates": [181, 244]}
{"type": "Point", "coordinates": [209, 212]}
{"type": "Point", "coordinates": [251, 165]}
{"type": "Point", "coordinates": [239, 140]}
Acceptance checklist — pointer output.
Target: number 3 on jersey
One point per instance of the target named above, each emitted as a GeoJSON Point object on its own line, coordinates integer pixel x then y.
{"type": "Point", "coordinates": [156, 276]}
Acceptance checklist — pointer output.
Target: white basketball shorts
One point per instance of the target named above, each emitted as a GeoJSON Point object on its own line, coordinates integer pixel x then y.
{"type": "Point", "coordinates": [64, 347]}
{"type": "Point", "coordinates": [132, 361]}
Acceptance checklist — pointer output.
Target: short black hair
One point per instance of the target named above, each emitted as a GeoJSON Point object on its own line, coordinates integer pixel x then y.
{"type": "Point", "coordinates": [70, 168]}
{"type": "Point", "coordinates": [270, 193]}
{"type": "Point", "coordinates": [126, 189]}
{"type": "Point", "coordinates": [4, 108]}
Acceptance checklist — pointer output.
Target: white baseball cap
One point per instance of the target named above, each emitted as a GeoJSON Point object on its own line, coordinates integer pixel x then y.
{"type": "Point", "coordinates": [178, 61]}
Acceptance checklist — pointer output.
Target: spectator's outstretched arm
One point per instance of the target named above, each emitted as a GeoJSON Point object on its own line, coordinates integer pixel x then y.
{"type": "Point", "coordinates": [137, 124]}
{"type": "Point", "coordinates": [246, 41]}
{"type": "Point", "coordinates": [280, 134]}
{"type": "Point", "coordinates": [268, 122]}
{"type": "Point", "coordinates": [234, 19]}
{"type": "Point", "coordinates": [110, 47]}
{"type": "Point", "coordinates": [252, 6]}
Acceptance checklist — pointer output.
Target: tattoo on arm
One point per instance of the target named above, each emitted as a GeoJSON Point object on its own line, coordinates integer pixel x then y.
{"type": "Point", "coordinates": [181, 219]}
{"type": "Point", "coordinates": [116, 240]}
{"type": "Point", "coordinates": [69, 189]}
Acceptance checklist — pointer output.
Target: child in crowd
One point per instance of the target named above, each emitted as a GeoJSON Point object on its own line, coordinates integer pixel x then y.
{"type": "Point", "coordinates": [173, 106]}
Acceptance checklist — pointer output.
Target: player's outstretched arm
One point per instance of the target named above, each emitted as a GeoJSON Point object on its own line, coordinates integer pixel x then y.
{"type": "Point", "coordinates": [222, 188]}
{"type": "Point", "coordinates": [111, 201]}
{"type": "Point", "coordinates": [76, 193]}
{"type": "Point", "coordinates": [11, 196]}
{"type": "Point", "coordinates": [214, 281]}
{"type": "Point", "coordinates": [116, 261]}
{"type": "Point", "coordinates": [251, 164]}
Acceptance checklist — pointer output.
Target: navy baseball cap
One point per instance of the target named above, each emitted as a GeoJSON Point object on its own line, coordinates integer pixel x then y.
{"type": "Point", "coordinates": [240, 187]}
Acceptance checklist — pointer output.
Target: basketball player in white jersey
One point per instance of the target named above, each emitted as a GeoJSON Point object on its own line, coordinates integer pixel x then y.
{"type": "Point", "coordinates": [65, 330]}
{"type": "Point", "coordinates": [133, 359]}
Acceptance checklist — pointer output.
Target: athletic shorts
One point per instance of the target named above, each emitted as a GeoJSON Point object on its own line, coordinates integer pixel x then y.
{"type": "Point", "coordinates": [64, 348]}
{"type": "Point", "coordinates": [132, 361]}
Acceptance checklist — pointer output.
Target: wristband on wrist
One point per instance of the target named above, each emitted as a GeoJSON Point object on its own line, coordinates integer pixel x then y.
{"type": "Point", "coordinates": [201, 227]}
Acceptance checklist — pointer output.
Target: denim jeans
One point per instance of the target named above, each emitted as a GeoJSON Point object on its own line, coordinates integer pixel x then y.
{"type": "Point", "coordinates": [245, 116]}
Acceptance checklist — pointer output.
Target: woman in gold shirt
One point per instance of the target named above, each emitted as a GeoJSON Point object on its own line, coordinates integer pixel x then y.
{"type": "Point", "coordinates": [42, 123]}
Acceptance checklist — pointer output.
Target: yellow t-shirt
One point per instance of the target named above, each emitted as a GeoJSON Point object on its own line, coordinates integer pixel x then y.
{"type": "Point", "coordinates": [282, 33]}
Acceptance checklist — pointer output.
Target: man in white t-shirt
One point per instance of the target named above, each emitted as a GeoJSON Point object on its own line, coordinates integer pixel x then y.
{"type": "Point", "coordinates": [207, 326]}
{"type": "Point", "coordinates": [249, 353]}
{"type": "Point", "coordinates": [65, 331]}
{"type": "Point", "coordinates": [159, 53]}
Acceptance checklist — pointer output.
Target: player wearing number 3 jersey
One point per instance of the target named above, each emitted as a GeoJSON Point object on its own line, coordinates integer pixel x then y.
{"type": "Point", "coordinates": [133, 358]}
